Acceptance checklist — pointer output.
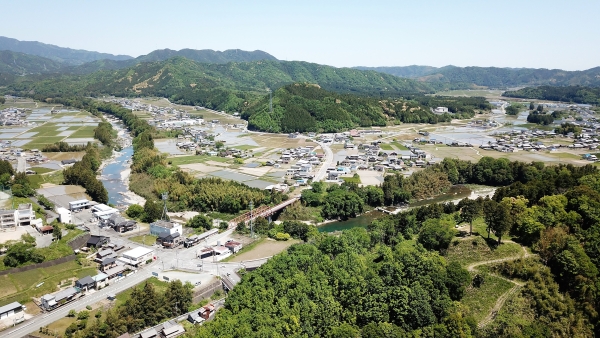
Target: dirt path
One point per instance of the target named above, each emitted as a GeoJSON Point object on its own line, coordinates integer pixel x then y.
{"type": "Point", "coordinates": [502, 299]}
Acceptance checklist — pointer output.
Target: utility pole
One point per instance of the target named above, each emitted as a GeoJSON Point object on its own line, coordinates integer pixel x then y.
{"type": "Point", "coordinates": [251, 205]}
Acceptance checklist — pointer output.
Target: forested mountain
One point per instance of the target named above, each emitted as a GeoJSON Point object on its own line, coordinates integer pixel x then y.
{"type": "Point", "coordinates": [308, 107]}
{"type": "Point", "coordinates": [410, 72]}
{"type": "Point", "coordinates": [466, 77]}
{"type": "Point", "coordinates": [510, 77]}
{"type": "Point", "coordinates": [203, 56]}
{"type": "Point", "coordinates": [60, 54]}
{"type": "Point", "coordinates": [576, 94]}
{"type": "Point", "coordinates": [22, 64]}
{"type": "Point", "coordinates": [219, 86]}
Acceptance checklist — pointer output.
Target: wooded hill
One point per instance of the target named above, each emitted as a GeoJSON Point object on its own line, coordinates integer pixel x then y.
{"type": "Point", "coordinates": [493, 77]}
{"type": "Point", "coordinates": [16, 63]}
{"type": "Point", "coordinates": [308, 107]}
{"type": "Point", "coordinates": [218, 86]}
{"type": "Point", "coordinates": [64, 55]}
{"type": "Point", "coordinates": [575, 94]}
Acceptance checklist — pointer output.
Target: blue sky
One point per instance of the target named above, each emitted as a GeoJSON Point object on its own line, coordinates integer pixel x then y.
{"type": "Point", "coordinates": [525, 33]}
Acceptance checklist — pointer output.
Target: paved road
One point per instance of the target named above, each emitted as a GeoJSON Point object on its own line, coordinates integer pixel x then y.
{"type": "Point", "coordinates": [328, 162]}
{"type": "Point", "coordinates": [44, 319]}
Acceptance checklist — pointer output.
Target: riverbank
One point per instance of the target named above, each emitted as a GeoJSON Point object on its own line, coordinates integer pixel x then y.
{"type": "Point", "coordinates": [115, 171]}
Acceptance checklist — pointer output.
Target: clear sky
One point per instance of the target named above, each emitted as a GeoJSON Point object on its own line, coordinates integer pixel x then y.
{"type": "Point", "coordinates": [509, 33]}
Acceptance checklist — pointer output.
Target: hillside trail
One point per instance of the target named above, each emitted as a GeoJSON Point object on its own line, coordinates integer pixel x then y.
{"type": "Point", "coordinates": [502, 299]}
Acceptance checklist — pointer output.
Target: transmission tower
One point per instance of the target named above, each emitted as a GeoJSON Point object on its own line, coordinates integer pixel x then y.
{"type": "Point", "coordinates": [165, 197]}
{"type": "Point", "coordinates": [251, 205]}
{"type": "Point", "coordinates": [270, 100]}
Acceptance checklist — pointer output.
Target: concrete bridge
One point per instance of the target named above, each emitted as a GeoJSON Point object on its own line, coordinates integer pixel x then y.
{"type": "Point", "coordinates": [262, 211]}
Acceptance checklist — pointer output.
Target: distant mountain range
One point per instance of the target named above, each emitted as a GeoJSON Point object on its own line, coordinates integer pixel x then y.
{"type": "Point", "coordinates": [59, 54]}
{"type": "Point", "coordinates": [22, 64]}
{"type": "Point", "coordinates": [67, 60]}
{"type": "Point", "coordinates": [227, 86]}
{"type": "Point", "coordinates": [493, 77]}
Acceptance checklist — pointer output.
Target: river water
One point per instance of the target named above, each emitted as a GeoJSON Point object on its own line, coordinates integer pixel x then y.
{"type": "Point", "coordinates": [111, 177]}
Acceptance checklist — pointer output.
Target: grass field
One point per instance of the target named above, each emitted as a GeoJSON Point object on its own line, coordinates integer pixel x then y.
{"type": "Point", "coordinates": [244, 147]}
{"type": "Point", "coordinates": [479, 301]}
{"type": "Point", "coordinates": [40, 142]}
{"type": "Point", "coordinates": [179, 160]}
{"type": "Point", "coordinates": [144, 239]}
{"type": "Point", "coordinates": [386, 146]}
{"type": "Point", "coordinates": [42, 170]}
{"type": "Point", "coordinates": [399, 146]}
{"type": "Point", "coordinates": [21, 286]}
{"type": "Point", "coordinates": [83, 132]}
{"type": "Point", "coordinates": [476, 249]}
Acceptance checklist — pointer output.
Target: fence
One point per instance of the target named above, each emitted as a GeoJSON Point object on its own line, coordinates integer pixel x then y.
{"type": "Point", "coordinates": [40, 265]}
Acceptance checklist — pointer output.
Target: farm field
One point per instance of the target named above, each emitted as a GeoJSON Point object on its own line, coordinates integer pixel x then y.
{"type": "Point", "coordinates": [47, 124]}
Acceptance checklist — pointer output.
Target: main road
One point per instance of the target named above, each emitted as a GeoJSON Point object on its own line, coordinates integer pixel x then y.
{"type": "Point", "coordinates": [45, 319]}
{"type": "Point", "coordinates": [328, 162]}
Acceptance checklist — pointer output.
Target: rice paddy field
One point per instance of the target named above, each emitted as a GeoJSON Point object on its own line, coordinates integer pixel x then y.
{"type": "Point", "coordinates": [47, 124]}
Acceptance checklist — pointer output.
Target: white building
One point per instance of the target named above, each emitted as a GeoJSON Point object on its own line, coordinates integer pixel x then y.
{"type": "Point", "coordinates": [78, 204]}
{"type": "Point", "coordinates": [137, 256]}
{"type": "Point", "coordinates": [22, 216]}
{"type": "Point", "coordinates": [103, 211]}
{"type": "Point", "coordinates": [64, 215]}
{"type": "Point", "coordinates": [441, 110]}
{"type": "Point", "coordinates": [10, 310]}
{"type": "Point", "coordinates": [165, 228]}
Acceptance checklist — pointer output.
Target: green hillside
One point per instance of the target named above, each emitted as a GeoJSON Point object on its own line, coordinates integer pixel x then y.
{"type": "Point", "coordinates": [21, 64]}
{"type": "Point", "coordinates": [202, 56]}
{"type": "Point", "coordinates": [307, 107]}
{"type": "Point", "coordinates": [576, 94]}
{"type": "Point", "coordinates": [219, 86]}
{"type": "Point", "coordinates": [509, 77]}
{"type": "Point", "coordinates": [64, 55]}
{"type": "Point", "coordinates": [493, 77]}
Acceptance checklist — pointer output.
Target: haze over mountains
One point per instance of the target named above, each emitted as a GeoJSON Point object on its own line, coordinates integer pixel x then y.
{"type": "Point", "coordinates": [34, 58]}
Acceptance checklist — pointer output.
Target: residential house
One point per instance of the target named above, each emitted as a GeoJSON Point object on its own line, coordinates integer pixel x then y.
{"type": "Point", "coordinates": [97, 241]}
{"type": "Point", "coordinates": [233, 246]}
{"type": "Point", "coordinates": [136, 257]}
{"type": "Point", "coordinates": [100, 280]}
{"type": "Point", "coordinates": [86, 283]}
{"type": "Point", "coordinates": [52, 301]}
{"type": "Point", "coordinates": [10, 310]}
{"type": "Point", "coordinates": [108, 263]}
{"type": "Point", "coordinates": [164, 227]}
{"type": "Point", "coordinates": [195, 318]}
{"type": "Point", "coordinates": [170, 240]}
{"type": "Point", "coordinates": [172, 331]}
{"type": "Point", "coordinates": [149, 334]}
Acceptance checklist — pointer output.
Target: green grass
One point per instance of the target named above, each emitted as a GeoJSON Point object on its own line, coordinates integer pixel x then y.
{"type": "Point", "coordinates": [480, 301]}
{"type": "Point", "coordinates": [48, 129]}
{"type": "Point", "coordinates": [351, 179]}
{"type": "Point", "coordinates": [244, 147]}
{"type": "Point", "coordinates": [83, 132]}
{"type": "Point", "coordinates": [386, 146]}
{"type": "Point", "coordinates": [475, 249]}
{"type": "Point", "coordinates": [40, 142]}
{"type": "Point", "coordinates": [195, 159]}
{"type": "Point", "coordinates": [246, 248]}
{"type": "Point", "coordinates": [399, 146]}
{"type": "Point", "coordinates": [42, 170]}
{"type": "Point", "coordinates": [20, 287]}
{"type": "Point", "coordinates": [144, 239]}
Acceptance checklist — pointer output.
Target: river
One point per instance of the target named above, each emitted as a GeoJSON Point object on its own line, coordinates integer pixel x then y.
{"type": "Point", "coordinates": [454, 194]}
{"type": "Point", "coordinates": [112, 179]}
